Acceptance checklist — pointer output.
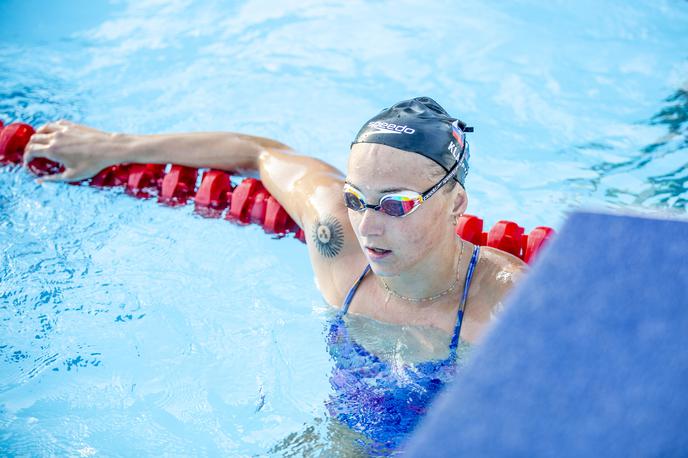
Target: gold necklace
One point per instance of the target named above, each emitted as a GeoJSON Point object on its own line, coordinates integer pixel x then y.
{"type": "Point", "coordinates": [436, 296]}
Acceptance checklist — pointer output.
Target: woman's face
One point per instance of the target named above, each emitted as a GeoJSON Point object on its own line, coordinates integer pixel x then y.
{"type": "Point", "coordinates": [394, 245]}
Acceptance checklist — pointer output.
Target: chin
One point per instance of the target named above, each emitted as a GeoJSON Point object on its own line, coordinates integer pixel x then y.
{"type": "Point", "coordinates": [384, 269]}
{"type": "Point", "coordinates": [381, 271]}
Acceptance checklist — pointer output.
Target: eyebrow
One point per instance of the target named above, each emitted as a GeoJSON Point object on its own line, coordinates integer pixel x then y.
{"type": "Point", "coordinates": [381, 191]}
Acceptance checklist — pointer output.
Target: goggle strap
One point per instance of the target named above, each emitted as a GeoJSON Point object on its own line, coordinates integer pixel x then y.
{"type": "Point", "coordinates": [442, 182]}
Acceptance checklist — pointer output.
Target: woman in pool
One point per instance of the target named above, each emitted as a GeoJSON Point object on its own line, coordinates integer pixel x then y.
{"type": "Point", "coordinates": [391, 235]}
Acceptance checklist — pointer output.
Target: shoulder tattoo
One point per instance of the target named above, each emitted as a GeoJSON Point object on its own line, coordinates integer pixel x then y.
{"type": "Point", "coordinates": [328, 236]}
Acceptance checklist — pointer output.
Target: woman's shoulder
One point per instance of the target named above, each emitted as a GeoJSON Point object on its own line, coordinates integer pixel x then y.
{"type": "Point", "coordinates": [495, 275]}
{"type": "Point", "coordinates": [498, 272]}
{"type": "Point", "coordinates": [335, 280]}
{"type": "Point", "coordinates": [493, 261]}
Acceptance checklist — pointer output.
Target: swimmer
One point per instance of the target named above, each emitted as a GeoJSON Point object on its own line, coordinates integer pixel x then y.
{"type": "Point", "coordinates": [381, 238]}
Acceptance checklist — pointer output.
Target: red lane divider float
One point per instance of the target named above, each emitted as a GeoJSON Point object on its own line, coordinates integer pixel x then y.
{"type": "Point", "coordinates": [178, 185]}
{"type": "Point", "coordinates": [115, 175]}
{"type": "Point", "coordinates": [504, 235]}
{"type": "Point", "coordinates": [13, 139]}
{"type": "Point", "coordinates": [243, 197]}
{"type": "Point", "coordinates": [144, 179]}
{"type": "Point", "coordinates": [213, 194]}
{"type": "Point", "coordinates": [247, 203]}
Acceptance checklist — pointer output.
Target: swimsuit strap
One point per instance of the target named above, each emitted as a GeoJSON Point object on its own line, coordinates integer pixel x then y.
{"type": "Point", "coordinates": [352, 291]}
{"type": "Point", "coordinates": [459, 319]}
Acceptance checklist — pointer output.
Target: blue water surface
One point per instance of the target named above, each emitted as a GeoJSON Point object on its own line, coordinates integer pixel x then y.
{"type": "Point", "coordinates": [130, 329]}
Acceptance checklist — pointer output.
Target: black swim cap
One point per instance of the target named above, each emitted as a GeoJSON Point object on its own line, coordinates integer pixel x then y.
{"type": "Point", "coordinates": [421, 126]}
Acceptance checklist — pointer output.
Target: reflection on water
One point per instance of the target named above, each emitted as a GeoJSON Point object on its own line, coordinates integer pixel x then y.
{"type": "Point", "coordinates": [325, 437]}
{"type": "Point", "coordinates": [653, 175]}
{"type": "Point", "coordinates": [675, 117]}
{"type": "Point", "coordinates": [671, 188]}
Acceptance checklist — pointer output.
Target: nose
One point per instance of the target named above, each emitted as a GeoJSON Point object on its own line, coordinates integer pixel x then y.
{"type": "Point", "coordinates": [371, 223]}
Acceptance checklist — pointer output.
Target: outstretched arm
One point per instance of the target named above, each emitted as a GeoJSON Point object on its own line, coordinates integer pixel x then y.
{"type": "Point", "coordinates": [85, 151]}
{"type": "Point", "coordinates": [308, 188]}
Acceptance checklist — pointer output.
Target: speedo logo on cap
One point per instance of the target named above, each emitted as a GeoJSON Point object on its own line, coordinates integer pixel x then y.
{"type": "Point", "coordinates": [389, 128]}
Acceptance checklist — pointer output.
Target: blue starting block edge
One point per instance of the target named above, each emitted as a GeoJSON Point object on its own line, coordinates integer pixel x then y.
{"type": "Point", "coordinates": [589, 359]}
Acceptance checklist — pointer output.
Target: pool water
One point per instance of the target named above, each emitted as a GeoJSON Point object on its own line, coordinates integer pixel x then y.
{"type": "Point", "coordinates": [131, 329]}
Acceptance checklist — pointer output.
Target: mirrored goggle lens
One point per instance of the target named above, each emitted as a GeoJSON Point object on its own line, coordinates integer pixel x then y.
{"type": "Point", "coordinates": [353, 201]}
{"type": "Point", "coordinates": [397, 205]}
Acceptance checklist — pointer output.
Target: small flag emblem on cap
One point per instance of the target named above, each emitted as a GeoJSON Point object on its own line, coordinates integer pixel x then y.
{"type": "Point", "coordinates": [457, 134]}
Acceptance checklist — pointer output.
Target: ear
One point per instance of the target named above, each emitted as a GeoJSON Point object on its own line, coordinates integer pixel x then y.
{"type": "Point", "coordinates": [459, 203]}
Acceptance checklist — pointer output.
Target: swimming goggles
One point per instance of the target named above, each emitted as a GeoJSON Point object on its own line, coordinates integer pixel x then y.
{"type": "Point", "coordinates": [398, 203]}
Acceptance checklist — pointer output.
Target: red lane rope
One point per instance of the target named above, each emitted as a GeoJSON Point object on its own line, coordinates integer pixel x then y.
{"type": "Point", "coordinates": [246, 203]}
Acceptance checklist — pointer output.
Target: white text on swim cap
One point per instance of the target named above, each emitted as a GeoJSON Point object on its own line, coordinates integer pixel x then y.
{"type": "Point", "coordinates": [452, 147]}
{"type": "Point", "coordinates": [388, 128]}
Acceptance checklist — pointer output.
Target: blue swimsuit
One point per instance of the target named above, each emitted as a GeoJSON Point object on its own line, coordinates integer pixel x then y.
{"type": "Point", "coordinates": [370, 395]}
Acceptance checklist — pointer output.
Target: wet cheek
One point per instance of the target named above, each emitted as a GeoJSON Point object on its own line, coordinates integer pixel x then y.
{"type": "Point", "coordinates": [427, 232]}
{"type": "Point", "coordinates": [354, 219]}
{"type": "Point", "coordinates": [413, 239]}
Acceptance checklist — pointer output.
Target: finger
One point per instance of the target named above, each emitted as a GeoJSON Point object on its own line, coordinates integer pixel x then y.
{"type": "Point", "coordinates": [37, 151]}
{"type": "Point", "coordinates": [48, 128]}
{"type": "Point", "coordinates": [40, 138]}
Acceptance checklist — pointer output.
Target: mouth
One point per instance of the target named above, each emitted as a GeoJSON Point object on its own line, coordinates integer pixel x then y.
{"type": "Point", "coordinates": [376, 253]}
